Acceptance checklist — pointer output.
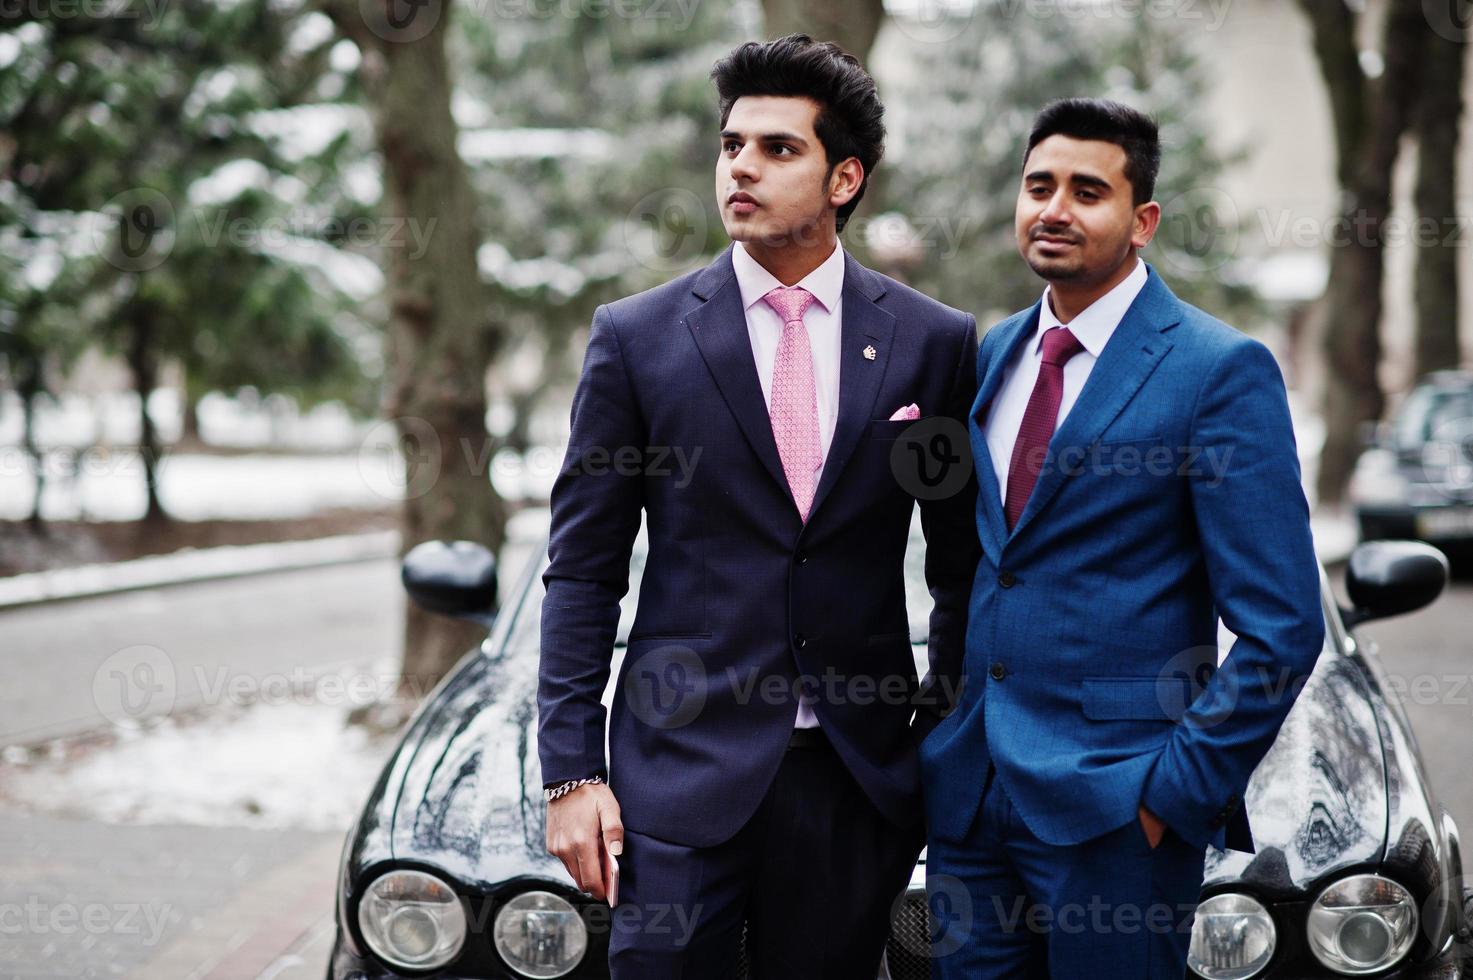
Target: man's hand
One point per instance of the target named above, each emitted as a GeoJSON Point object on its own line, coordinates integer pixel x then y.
{"type": "Point", "coordinates": [1153, 827]}
{"type": "Point", "coordinates": [579, 825]}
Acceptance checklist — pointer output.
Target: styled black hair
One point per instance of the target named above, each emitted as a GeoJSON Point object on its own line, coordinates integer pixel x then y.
{"type": "Point", "coordinates": [1101, 119]}
{"type": "Point", "coordinates": [849, 117]}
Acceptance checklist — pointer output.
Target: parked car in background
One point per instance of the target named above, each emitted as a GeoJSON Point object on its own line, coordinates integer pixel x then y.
{"type": "Point", "coordinates": [1416, 480]}
{"type": "Point", "coordinates": [1358, 870]}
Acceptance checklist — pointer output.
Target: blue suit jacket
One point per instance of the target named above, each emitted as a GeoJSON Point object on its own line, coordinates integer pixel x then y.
{"type": "Point", "coordinates": [1171, 496]}
{"type": "Point", "coordinates": [739, 597]}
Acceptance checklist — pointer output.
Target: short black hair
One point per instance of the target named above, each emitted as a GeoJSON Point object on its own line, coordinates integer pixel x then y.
{"type": "Point", "coordinates": [850, 113]}
{"type": "Point", "coordinates": [1113, 122]}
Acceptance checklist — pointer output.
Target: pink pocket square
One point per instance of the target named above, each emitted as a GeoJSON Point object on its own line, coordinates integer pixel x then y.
{"type": "Point", "coordinates": [909, 413]}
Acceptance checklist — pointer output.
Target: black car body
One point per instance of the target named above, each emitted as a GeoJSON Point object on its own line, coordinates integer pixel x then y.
{"type": "Point", "coordinates": [1342, 795]}
{"type": "Point", "coordinates": [1416, 481]}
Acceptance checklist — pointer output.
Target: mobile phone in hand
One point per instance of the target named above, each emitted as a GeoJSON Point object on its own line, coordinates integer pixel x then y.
{"type": "Point", "coordinates": [611, 876]}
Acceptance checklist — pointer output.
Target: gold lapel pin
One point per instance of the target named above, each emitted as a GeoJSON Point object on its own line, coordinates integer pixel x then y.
{"type": "Point", "coordinates": [870, 352]}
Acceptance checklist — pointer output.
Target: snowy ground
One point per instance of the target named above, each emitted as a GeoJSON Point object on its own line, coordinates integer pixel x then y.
{"type": "Point", "coordinates": [107, 485]}
{"type": "Point", "coordinates": [287, 759]}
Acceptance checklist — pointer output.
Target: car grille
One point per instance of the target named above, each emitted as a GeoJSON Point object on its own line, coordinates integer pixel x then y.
{"type": "Point", "coordinates": [907, 953]}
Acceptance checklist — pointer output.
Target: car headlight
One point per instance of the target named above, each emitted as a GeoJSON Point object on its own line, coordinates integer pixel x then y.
{"type": "Point", "coordinates": [540, 935]}
{"type": "Point", "coordinates": [1362, 924]}
{"type": "Point", "coordinates": [1377, 480]}
{"type": "Point", "coordinates": [1233, 938]}
{"type": "Point", "coordinates": [412, 920]}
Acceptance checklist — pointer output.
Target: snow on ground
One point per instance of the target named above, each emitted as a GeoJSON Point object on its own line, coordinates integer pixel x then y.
{"type": "Point", "coordinates": [284, 758]}
{"type": "Point", "coordinates": [103, 485]}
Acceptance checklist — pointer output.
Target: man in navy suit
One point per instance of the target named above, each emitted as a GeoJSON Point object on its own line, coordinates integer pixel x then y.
{"type": "Point", "coordinates": [762, 763]}
{"type": "Point", "coordinates": [1137, 480]}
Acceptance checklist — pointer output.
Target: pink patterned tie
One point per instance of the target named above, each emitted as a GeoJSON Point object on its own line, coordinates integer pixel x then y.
{"type": "Point", "coordinates": [794, 409]}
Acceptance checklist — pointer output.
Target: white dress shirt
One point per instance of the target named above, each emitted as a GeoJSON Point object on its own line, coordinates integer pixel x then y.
{"type": "Point", "coordinates": [822, 320]}
{"type": "Point", "coordinates": [1094, 326]}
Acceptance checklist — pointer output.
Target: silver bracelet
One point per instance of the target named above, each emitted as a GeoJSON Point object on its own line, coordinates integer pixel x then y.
{"type": "Point", "coordinates": [563, 789]}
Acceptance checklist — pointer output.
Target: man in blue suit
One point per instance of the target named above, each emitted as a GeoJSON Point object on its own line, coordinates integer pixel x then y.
{"type": "Point", "coordinates": [1137, 481]}
{"type": "Point", "coordinates": [762, 757]}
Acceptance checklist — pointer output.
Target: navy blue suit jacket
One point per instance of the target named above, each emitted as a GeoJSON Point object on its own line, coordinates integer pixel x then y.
{"type": "Point", "coordinates": [739, 596]}
{"type": "Point", "coordinates": [1171, 497]}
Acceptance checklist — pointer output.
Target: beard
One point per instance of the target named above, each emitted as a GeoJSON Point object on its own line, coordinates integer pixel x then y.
{"type": "Point", "coordinates": [1077, 266]}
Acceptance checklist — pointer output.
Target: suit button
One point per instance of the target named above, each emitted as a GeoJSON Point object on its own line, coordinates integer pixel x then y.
{"type": "Point", "coordinates": [1006, 579]}
{"type": "Point", "coordinates": [998, 672]}
{"type": "Point", "coordinates": [800, 641]}
{"type": "Point", "coordinates": [802, 559]}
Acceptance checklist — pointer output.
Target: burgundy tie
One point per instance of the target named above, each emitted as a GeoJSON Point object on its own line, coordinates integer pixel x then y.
{"type": "Point", "coordinates": [1038, 421]}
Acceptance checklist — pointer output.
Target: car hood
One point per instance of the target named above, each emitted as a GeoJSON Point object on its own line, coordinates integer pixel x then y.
{"type": "Point", "coordinates": [1317, 802]}
{"type": "Point", "coordinates": [470, 798]}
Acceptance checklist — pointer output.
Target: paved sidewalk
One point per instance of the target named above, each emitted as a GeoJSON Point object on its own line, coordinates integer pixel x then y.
{"type": "Point", "coordinates": [82, 899]}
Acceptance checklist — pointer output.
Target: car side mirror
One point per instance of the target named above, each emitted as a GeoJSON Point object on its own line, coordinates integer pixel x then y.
{"type": "Point", "coordinates": [453, 578]}
{"type": "Point", "coordinates": [1388, 578]}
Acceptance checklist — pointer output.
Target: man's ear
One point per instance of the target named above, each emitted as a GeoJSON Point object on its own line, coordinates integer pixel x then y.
{"type": "Point", "coordinates": [844, 182]}
{"type": "Point", "coordinates": [1147, 220]}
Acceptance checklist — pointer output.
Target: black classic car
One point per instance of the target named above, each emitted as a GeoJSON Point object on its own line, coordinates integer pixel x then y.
{"type": "Point", "coordinates": [1357, 870]}
{"type": "Point", "coordinates": [1416, 478]}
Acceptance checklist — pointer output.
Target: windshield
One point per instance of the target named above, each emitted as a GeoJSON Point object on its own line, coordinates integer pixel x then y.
{"type": "Point", "coordinates": [1429, 411]}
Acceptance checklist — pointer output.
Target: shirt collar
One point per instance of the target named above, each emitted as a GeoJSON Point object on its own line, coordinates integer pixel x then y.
{"type": "Point", "coordinates": [1097, 322]}
{"type": "Point", "coordinates": [825, 283]}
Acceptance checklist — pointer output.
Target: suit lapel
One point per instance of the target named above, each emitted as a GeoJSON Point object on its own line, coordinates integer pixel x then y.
{"type": "Point", "coordinates": [1129, 358]}
{"type": "Point", "coordinates": [862, 324]}
{"type": "Point", "coordinates": [1012, 334]}
{"type": "Point", "coordinates": [719, 327]}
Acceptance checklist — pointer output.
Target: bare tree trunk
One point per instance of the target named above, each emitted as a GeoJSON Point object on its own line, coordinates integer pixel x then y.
{"type": "Point", "coordinates": [30, 389]}
{"type": "Point", "coordinates": [1438, 121]}
{"type": "Point", "coordinates": [143, 361]}
{"type": "Point", "coordinates": [851, 25]}
{"type": "Point", "coordinates": [1370, 117]}
{"type": "Point", "coordinates": [441, 333]}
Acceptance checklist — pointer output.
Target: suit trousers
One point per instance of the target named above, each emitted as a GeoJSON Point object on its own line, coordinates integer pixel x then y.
{"type": "Point", "coordinates": [1005, 904]}
{"type": "Point", "coordinates": [803, 891]}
